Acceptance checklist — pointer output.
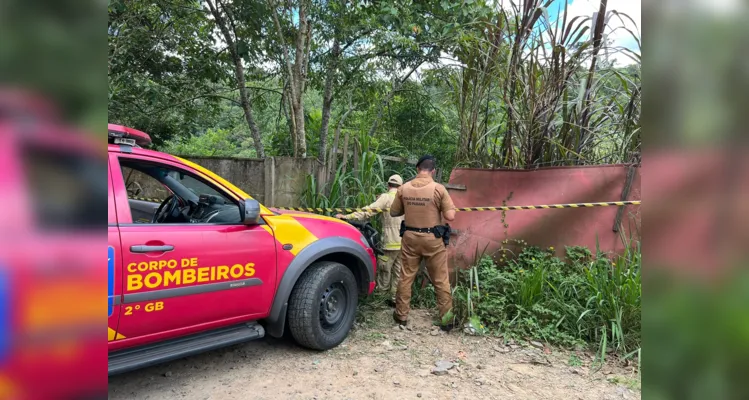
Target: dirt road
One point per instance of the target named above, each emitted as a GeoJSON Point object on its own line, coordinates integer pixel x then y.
{"type": "Point", "coordinates": [379, 361]}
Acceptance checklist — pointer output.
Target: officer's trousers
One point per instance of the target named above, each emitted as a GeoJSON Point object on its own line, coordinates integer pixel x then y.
{"type": "Point", "coordinates": [414, 246]}
{"type": "Point", "coordinates": [389, 271]}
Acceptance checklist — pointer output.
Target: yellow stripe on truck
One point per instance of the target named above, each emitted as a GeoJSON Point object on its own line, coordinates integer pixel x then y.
{"type": "Point", "coordinates": [112, 335]}
{"type": "Point", "coordinates": [316, 216]}
{"type": "Point", "coordinates": [223, 182]}
{"type": "Point", "coordinates": [290, 231]}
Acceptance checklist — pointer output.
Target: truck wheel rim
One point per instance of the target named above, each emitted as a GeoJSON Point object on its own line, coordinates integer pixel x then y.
{"type": "Point", "coordinates": [333, 306]}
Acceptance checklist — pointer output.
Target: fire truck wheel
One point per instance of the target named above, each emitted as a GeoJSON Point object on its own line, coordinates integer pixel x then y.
{"type": "Point", "coordinates": [322, 306]}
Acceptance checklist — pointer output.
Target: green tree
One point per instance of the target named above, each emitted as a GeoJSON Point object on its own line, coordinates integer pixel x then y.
{"type": "Point", "coordinates": [163, 74]}
{"type": "Point", "coordinates": [311, 78]}
{"type": "Point", "coordinates": [224, 16]}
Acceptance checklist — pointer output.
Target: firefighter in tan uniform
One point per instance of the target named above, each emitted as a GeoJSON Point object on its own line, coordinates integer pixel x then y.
{"type": "Point", "coordinates": [388, 264]}
{"type": "Point", "coordinates": [425, 204]}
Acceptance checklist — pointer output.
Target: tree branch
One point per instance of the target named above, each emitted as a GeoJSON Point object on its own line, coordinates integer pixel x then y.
{"type": "Point", "coordinates": [200, 96]}
{"type": "Point", "coordinates": [396, 86]}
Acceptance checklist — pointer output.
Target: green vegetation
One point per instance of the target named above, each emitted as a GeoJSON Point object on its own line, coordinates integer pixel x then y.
{"type": "Point", "coordinates": [474, 83]}
{"type": "Point", "coordinates": [214, 142]}
{"type": "Point", "coordinates": [586, 301]}
{"type": "Point", "coordinates": [356, 185]}
{"type": "Point", "coordinates": [583, 299]}
{"type": "Point", "coordinates": [574, 361]}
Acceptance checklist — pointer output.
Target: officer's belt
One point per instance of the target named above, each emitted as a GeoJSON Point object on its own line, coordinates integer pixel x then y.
{"type": "Point", "coordinates": [420, 230]}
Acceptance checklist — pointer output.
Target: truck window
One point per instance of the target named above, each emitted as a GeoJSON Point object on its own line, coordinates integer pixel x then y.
{"type": "Point", "coordinates": [143, 187]}
{"type": "Point", "coordinates": [154, 188]}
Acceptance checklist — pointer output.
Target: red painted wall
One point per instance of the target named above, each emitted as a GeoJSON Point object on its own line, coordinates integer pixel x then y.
{"type": "Point", "coordinates": [479, 231]}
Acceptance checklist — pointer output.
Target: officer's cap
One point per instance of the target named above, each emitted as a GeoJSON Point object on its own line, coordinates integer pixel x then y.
{"type": "Point", "coordinates": [424, 158]}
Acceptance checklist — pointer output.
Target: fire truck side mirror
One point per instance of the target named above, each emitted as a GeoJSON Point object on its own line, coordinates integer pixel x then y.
{"type": "Point", "coordinates": [250, 211]}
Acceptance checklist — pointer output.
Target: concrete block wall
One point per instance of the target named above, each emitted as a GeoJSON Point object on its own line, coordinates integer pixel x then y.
{"type": "Point", "coordinates": [274, 181]}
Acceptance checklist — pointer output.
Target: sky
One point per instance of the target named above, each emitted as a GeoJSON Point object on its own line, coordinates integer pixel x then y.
{"type": "Point", "coordinates": [619, 36]}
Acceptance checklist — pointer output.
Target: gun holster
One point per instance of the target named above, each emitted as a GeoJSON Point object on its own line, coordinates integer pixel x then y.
{"type": "Point", "coordinates": [443, 231]}
{"type": "Point", "coordinates": [403, 228]}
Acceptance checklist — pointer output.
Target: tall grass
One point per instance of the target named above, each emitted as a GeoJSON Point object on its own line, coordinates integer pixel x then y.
{"type": "Point", "coordinates": [352, 186]}
{"type": "Point", "coordinates": [583, 299]}
{"type": "Point", "coordinates": [532, 91]}
{"type": "Point", "coordinates": [614, 306]}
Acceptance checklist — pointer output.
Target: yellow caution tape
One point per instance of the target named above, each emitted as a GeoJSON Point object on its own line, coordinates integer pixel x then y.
{"type": "Point", "coordinates": [152, 200]}
{"type": "Point", "coordinates": [502, 208]}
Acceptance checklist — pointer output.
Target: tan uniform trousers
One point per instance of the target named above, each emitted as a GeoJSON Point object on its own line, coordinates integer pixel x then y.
{"type": "Point", "coordinates": [389, 271]}
{"type": "Point", "coordinates": [414, 246]}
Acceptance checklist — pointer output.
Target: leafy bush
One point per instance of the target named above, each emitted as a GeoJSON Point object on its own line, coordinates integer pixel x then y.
{"type": "Point", "coordinates": [422, 294]}
{"type": "Point", "coordinates": [214, 142]}
{"type": "Point", "coordinates": [583, 299]}
{"type": "Point", "coordinates": [354, 187]}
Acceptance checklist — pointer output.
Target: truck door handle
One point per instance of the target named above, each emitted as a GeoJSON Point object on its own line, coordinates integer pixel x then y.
{"type": "Point", "coordinates": [142, 248]}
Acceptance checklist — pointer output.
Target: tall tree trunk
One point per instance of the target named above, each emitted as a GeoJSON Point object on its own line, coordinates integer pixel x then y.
{"type": "Point", "coordinates": [292, 125]}
{"type": "Point", "coordinates": [334, 149]}
{"type": "Point", "coordinates": [297, 72]}
{"type": "Point", "coordinates": [299, 79]}
{"type": "Point", "coordinates": [286, 105]}
{"type": "Point", "coordinates": [327, 101]}
{"type": "Point", "coordinates": [239, 75]}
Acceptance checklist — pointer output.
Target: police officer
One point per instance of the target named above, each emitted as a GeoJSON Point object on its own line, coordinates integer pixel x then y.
{"type": "Point", "coordinates": [389, 263]}
{"type": "Point", "coordinates": [425, 204]}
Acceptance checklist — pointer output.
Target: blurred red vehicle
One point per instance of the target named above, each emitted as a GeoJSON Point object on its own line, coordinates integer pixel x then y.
{"type": "Point", "coordinates": [53, 195]}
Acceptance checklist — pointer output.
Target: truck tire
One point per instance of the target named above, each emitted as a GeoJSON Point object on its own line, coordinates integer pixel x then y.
{"type": "Point", "coordinates": [322, 306]}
